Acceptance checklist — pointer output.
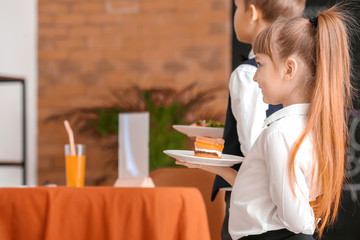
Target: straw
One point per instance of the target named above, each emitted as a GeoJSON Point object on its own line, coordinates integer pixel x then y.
{"type": "Point", "coordinates": [71, 137]}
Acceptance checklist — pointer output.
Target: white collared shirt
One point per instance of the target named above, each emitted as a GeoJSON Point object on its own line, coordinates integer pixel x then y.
{"type": "Point", "coordinates": [247, 105]}
{"type": "Point", "coordinates": [262, 199]}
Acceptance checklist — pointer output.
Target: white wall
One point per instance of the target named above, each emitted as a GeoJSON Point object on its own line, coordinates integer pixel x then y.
{"type": "Point", "coordinates": [18, 58]}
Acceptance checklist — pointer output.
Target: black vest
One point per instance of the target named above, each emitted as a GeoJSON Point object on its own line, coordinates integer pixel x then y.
{"type": "Point", "coordinates": [232, 144]}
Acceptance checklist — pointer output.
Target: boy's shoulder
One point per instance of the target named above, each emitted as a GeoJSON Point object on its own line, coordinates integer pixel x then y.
{"type": "Point", "coordinates": [250, 61]}
{"type": "Point", "coordinates": [249, 66]}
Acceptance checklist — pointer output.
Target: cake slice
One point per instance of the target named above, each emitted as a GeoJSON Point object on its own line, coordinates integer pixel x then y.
{"type": "Point", "coordinates": [208, 147]}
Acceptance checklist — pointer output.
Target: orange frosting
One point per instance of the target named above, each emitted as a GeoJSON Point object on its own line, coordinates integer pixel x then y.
{"type": "Point", "coordinates": [209, 143]}
{"type": "Point", "coordinates": [210, 140]}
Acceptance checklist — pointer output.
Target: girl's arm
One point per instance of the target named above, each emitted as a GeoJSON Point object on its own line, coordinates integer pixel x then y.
{"type": "Point", "coordinates": [294, 211]}
{"type": "Point", "coordinates": [227, 173]}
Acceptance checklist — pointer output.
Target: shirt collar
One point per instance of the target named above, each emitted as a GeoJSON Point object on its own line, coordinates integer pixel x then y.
{"type": "Point", "coordinates": [295, 109]}
{"type": "Point", "coordinates": [251, 54]}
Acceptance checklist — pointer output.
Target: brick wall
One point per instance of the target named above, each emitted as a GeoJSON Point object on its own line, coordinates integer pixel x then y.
{"type": "Point", "coordinates": [88, 47]}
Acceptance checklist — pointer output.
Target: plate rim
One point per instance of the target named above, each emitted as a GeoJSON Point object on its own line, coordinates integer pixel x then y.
{"type": "Point", "coordinates": [193, 131]}
{"type": "Point", "coordinates": [181, 125]}
{"type": "Point", "coordinates": [226, 162]}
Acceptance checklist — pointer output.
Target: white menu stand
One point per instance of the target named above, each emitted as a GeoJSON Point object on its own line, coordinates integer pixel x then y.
{"type": "Point", "coordinates": [133, 161]}
{"type": "Point", "coordinates": [135, 182]}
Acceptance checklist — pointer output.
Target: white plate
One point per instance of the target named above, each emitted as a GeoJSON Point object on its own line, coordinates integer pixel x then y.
{"type": "Point", "coordinates": [193, 131]}
{"type": "Point", "coordinates": [188, 156]}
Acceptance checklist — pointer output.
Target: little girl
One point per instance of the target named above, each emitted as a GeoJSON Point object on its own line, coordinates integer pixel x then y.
{"type": "Point", "coordinates": [290, 183]}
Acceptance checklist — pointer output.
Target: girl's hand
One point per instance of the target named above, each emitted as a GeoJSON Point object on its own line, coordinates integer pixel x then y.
{"type": "Point", "coordinates": [213, 169]}
{"type": "Point", "coordinates": [189, 165]}
{"type": "Point", "coordinates": [227, 173]}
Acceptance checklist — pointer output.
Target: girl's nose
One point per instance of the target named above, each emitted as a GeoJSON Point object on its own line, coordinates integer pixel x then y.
{"type": "Point", "coordinates": [255, 77]}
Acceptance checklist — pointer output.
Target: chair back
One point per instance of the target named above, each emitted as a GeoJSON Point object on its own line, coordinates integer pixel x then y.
{"type": "Point", "coordinates": [189, 177]}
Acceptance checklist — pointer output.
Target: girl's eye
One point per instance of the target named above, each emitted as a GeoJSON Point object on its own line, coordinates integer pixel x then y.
{"type": "Point", "coordinates": [258, 64]}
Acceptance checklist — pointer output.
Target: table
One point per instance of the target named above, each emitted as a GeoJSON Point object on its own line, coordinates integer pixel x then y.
{"type": "Point", "coordinates": [102, 213]}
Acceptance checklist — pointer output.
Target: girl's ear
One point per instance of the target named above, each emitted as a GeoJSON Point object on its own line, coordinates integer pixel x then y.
{"type": "Point", "coordinates": [291, 65]}
{"type": "Point", "coordinates": [254, 13]}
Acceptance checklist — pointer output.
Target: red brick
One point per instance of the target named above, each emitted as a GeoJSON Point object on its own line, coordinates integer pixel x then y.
{"type": "Point", "coordinates": [51, 8]}
{"type": "Point", "coordinates": [85, 55]}
{"type": "Point", "coordinates": [53, 31]}
{"type": "Point", "coordinates": [84, 31]}
{"type": "Point", "coordinates": [71, 44]}
{"type": "Point", "coordinates": [120, 79]}
{"type": "Point", "coordinates": [105, 19]}
{"type": "Point", "coordinates": [158, 6]}
{"type": "Point", "coordinates": [127, 29]}
{"type": "Point", "coordinates": [70, 19]}
{"type": "Point", "coordinates": [124, 53]}
{"type": "Point", "coordinates": [46, 43]}
{"type": "Point", "coordinates": [88, 7]}
{"type": "Point", "coordinates": [45, 20]}
{"type": "Point", "coordinates": [122, 6]}
{"type": "Point", "coordinates": [105, 42]}
{"type": "Point", "coordinates": [52, 55]}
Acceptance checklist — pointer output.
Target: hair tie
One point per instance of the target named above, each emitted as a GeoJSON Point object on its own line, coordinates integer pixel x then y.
{"type": "Point", "coordinates": [314, 21]}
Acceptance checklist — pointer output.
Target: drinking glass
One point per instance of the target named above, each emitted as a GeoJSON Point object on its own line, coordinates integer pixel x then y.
{"type": "Point", "coordinates": [75, 166]}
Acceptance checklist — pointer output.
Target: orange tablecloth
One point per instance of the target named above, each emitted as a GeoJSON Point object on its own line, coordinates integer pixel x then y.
{"type": "Point", "coordinates": [102, 213]}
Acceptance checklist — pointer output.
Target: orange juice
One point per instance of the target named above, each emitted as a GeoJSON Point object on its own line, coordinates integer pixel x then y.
{"type": "Point", "coordinates": [75, 170]}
